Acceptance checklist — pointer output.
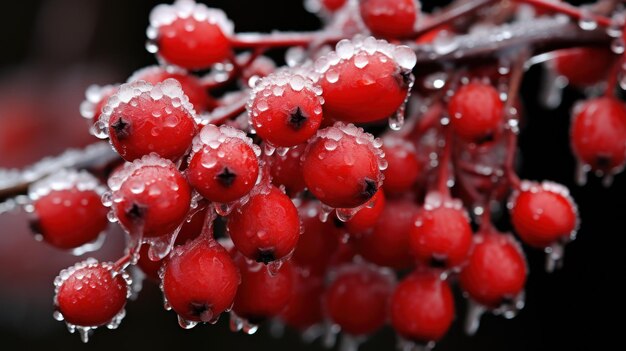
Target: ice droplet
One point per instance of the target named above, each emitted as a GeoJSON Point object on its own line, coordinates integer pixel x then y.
{"type": "Point", "coordinates": [186, 324]}
{"type": "Point", "coordinates": [472, 318]}
{"type": "Point", "coordinates": [586, 21]}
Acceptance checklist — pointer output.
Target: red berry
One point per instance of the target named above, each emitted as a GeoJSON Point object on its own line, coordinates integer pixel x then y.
{"type": "Point", "coordinates": [286, 170]}
{"type": "Point", "coordinates": [224, 165]}
{"type": "Point", "coordinates": [598, 134]}
{"type": "Point", "coordinates": [266, 228]}
{"type": "Point", "coordinates": [305, 306]}
{"type": "Point", "coordinates": [91, 294]}
{"type": "Point", "coordinates": [495, 271]}
{"type": "Point", "coordinates": [190, 35]}
{"type": "Point", "coordinates": [441, 235]}
{"type": "Point", "coordinates": [365, 80]}
{"type": "Point", "coordinates": [543, 214]}
{"type": "Point", "coordinates": [403, 168]}
{"type": "Point", "coordinates": [262, 294]}
{"type": "Point", "coordinates": [358, 299]}
{"type": "Point", "coordinates": [199, 281]}
{"type": "Point", "coordinates": [191, 85]}
{"type": "Point", "coordinates": [476, 111]}
{"type": "Point", "coordinates": [285, 108]}
{"type": "Point", "coordinates": [318, 242]}
{"type": "Point", "coordinates": [96, 98]}
{"type": "Point", "coordinates": [150, 197]}
{"type": "Point", "coordinates": [584, 66]}
{"type": "Point", "coordinates": [141, 118]}
{"type": "Point", "coordinates": [367, 216]}
{"type": "Point", "coordinates": [67, 209]}
{"type": "Point", "coordinates": [422, 307]}
{"type": "Point", "coordinates": [390, 18]}
{"type": "Point", "coordinates": [387, 244]}
{"type": "Point", "coordinates": [341, 166]}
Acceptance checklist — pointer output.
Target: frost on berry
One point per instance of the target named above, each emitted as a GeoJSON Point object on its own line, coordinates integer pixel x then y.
{"type": "Point", "coordinates": [189, 34]}
{"type": "Point", "coordinates": [342, 167]}
{"type": "Point", "coordinates": [141, 118]}
{"type": "Point", "coordinates": [67, 212]}
{"type": "Point", "coordinates": [89, 295]}
{"type": "Point", "coordinates": [285, 108]}
{"type": "Point", "coordinates": [366, 80]}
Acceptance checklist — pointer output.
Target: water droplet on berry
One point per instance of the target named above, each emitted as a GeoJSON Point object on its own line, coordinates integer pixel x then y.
{"type": "Point", "coordinates": [586, 21]}
{"type": "Point", "coordinates": [361, 60]}
{"type": "Point", "coordinates": [186, 324]}
{"type": "Point", "coordinates": [472, 318]}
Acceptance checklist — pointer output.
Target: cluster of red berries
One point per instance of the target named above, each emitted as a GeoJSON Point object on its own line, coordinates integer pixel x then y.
{"type": "Point", "coordinates": [327, 225]}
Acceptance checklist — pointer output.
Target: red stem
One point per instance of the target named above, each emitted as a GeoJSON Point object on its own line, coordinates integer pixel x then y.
{"type": "Point", "coordinates": [444, 164]}
{"type": "Point", "coordinates": [226, 112]}
{"type": "Point", "coordinates": [123, 262]}
{"type": "Point", "coordinates": [450, 14]}
{"type": "Point", "coordinates": [567, 9]}
{"type": "Point", "coordinates": [611, 82]}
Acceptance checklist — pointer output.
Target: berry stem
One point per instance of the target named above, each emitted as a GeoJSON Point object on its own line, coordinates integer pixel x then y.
{"type": "Point", "coordinates": [569, 10]}
{"type": "Point", "coordinates": [611, 82]}
{"type": "Point", "coordinates": [123, 262]}
{"type": "Point", "coordinates": [510, 116]}
{"type": "Point", "coordinates": [444, 164]}
{"type": "Point", "coordinates": [93, 157]}
{"type": "Point", "coordinates": [281, 39]}
{"type": "Point", "coordinates": [229, 111]}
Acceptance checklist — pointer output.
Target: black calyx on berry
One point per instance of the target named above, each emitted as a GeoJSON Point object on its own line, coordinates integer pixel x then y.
{"type": "Point", "coordinates": [436, 262]}
{"type": "Point", "coordinates": [404, 78]}
{"type": "Point", "coordinates": [226, 177]}
{"type": "Point", "coordinates": [136, 212]}
{"type": "Point", "coordinates": [265, 256]}
{"type": "Point", "coordinates": [297, 118]}
{"type": "Point", "coordinates": [121, 128]}
{"type": "Point", "coordinates": [370, 187]}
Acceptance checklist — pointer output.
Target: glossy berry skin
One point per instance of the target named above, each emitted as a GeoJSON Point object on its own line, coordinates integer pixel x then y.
{"type": "Point", "coordinates": [542, 216]}
{"type": "Point", "coordinates": [584, 66]}
{"type": "Point", "coordinates": [262, 294]}
{"type": "Point", "coordinates": [317, 243]}
{"type": "Point", "coordinates": [495, 271]}
{"type": "Point", "coordinates": [341, 173]}
{"type": "Point", "coordinates": [266, 228]}
{"type": "Point", "coordinates": [598, 133]}
{"type": "Point", "coordinates": [204, 46]}
{"type": "Point", "coordinates": [69, 218]}
{"type": "Point", "coordinates": [387, 244]}
{"type": "Point", "coordinates": [225, 173]}
{"type": "Point", "coordinates": [161, 205]}
{"type": "Point", "coordinates": [441, 236]}
{"type": "Point", "coordinates": [404, 168]}
{"type": "Point", "coordinates": [200, 280]}
{"type": "Point", "coordinates": [288, 119]}
{"type": "Point", "coordinates": [389, 18]}
{"type": "Point", "coordinates": [304, 308]}
{"type": "Point", "coordinates": [371, 93]}
{"type": "Point", "coordinates": [91, 295]}
{"type": "Point", "coordinates": [189, 231]}
{"type": "Point", "coordinates": [475, 112]}
{"type": "Point", "coordinates": [358, 299]}
{"type": "Point", "coordinates": [286, 170]}
{"type": "Point", "coordinates": [422, 307]}
{"type": "Point", "coordinates": [145, 125]}
{"type": "Point", "coordinates": [367, 216]}
{"type": "Point", "coordinates": [190, 84]}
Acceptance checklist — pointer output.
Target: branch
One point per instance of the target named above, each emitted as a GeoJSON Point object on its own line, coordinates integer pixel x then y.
{"type": "Point", "coordinates": [540, 34]}
{"type": "Point", "coordinates": [15, 182]}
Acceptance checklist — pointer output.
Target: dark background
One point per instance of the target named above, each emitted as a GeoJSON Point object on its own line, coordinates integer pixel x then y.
{"type": "Point", "coordinates": [42, 43]}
